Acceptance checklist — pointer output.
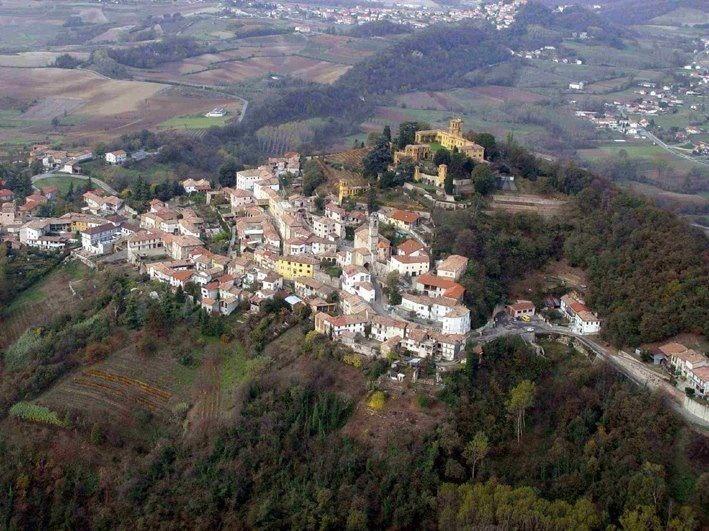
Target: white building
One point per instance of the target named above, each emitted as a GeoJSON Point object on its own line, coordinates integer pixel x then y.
{"type": "Point", "coordinates": [99, 239]}
{"type": "Point", "coordinates": [410, 265]}
{"type": "Point", "coordinates": [116, 157]}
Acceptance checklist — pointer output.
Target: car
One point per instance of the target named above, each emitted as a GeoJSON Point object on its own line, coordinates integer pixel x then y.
{"type": "Point", "coordinates": [529, 329]}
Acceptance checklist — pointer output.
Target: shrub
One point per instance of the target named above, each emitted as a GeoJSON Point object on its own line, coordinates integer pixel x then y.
{"type": "Point", "coordinates": [34, 413]}
{"type": "Point", "coordinates": [377, 400]}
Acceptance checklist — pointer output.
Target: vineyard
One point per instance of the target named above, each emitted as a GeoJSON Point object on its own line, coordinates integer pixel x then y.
{"type": "Point", "coordinates": [118, 387]}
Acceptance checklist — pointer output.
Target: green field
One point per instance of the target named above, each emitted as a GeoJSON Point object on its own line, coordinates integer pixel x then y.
{"type": "Point", "coordinates": [62, 182]}
{"type": "Point", "coordinates": [196, 121]}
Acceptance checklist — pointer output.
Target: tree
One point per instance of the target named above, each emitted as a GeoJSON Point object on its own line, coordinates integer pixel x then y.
{"type": "Point", "coordinates": [407, 134]}
{"type": "Point", "coordinates": [313, 177]}
{"type": "Point", "coordinates": [66, 61]}
{"type": "Point", "coordinates": [442, 156]}
{"type": "Point", "coordinates": [647, 487]}
{"type": "Point", "coordinates": [448, 185]}
{"type": "Point", "coordinates": [521, 397]}
{"type": "Point", "coordinates": [476, 450]}
{"type": "Point", "coordinates": [642, 518]}
{"type": "Point", "coordinates": [487, 141]}
{"type": "Point", "coordinates": [483, 179]}
{"type": "Point", "coordinates": [100, 151]}
{"type": "Point", "coordinates": [227, 172]}
{"type": "Point", "coordinates": [378, 159]}
{"type": "Point", "coordinates": [386, 133]}
{"type": "Point", "coordinates": [392, 283]}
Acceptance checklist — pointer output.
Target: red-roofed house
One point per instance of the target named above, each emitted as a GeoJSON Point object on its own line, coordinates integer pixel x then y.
{"type": "Point", "coordinates": [520, 308]}
{"type": "Point", "coordinates": [435, 286]}
{"type": "Point", "coordinates": [403, 219]}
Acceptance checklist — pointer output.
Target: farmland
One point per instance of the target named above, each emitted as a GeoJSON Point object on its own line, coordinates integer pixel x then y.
{"type": "Point", "coordinates": [91, 107]}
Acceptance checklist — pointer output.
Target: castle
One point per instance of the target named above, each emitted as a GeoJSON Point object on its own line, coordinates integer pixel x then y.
{"type": "Point", "coordinates": [453, 138]}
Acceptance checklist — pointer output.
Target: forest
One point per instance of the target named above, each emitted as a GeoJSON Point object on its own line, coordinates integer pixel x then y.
{"type": "Point", "coordinates": [156, 53]}
{"type": "Point", "coordinates": [529, 441]}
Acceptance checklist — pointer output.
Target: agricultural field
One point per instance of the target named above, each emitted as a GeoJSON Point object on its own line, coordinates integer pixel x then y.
{"type": "Point", "coordinates": [120, 387]}
{"type": "Point", "coordinates": [317, 58]}
{"type": "Point", "coordinates": [90, 107]}
{"type": "Point", "coordinates": [35, 59]}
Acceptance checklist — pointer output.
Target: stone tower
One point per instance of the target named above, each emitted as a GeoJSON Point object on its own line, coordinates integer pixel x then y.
{"type": "Point", "coordinates": [455, 127]}
{"type": "Point", "coordinates": [373, 236]}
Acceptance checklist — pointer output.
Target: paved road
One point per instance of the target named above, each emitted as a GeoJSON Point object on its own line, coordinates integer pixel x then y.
{"type": "Point", "coordinates": [671, 150]}
{"type": "Point", "coordinates": [54, 173]}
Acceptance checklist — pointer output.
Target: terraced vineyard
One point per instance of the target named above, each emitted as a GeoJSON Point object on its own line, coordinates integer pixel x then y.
{"type": "Point", "coordinates": [119, 387]}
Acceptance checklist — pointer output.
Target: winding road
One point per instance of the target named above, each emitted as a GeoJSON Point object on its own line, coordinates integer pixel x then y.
{"type": "Point", "coordinates": [54, 173]}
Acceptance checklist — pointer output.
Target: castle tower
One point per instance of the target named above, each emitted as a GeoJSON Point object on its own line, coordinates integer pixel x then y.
{"type": "Point", "coordinates": [373, 236]}
{"type": "Point", "coordinates": [455, 127]}
{"type": "Point", "coordinates": [442, 173]}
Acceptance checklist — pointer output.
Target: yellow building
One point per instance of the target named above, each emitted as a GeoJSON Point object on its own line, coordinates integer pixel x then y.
{"type": "Point", "coordinates": [348, 189]}
{"type": "Point", "coordinates": [415, 152]}
{"type": "Point", "coordinates": [437, 180]}
{"type": "Point", "coordinates": [453, 138]}
{"type": "Point", "coordinates": [294, 266]}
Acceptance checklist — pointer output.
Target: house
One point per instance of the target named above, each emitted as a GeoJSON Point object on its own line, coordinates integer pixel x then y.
{"type": "Point", "coordinates": [411, 247]}
{"type": "Point", "coordinates": [385, 328]}
{"type": "Point", "coordinates": [192, 186]}
{"type": "Point", "coordinates": [582, 320]}
{"type": "Point", "coordinates": [306, 287]}
{"type": "Point", "coordinates": [453, 317]}
{"type": "Point", "coordinates": [6, 195]}
{"type": "Point", "coordinates": [337, 325]}
{"type": "Point", "coordinates": [99, 240]}
{"type": "Point", "coordinates": [99, 203]}
{"type": "Point", "coordinates": [246, 179]}
{"type": "Point", "coordinates": [293, 266]}
{"type": "Point", "coordinates": [451, 139]}
{"type": "Point", "coordinates": [410, 265]}
{"type": "Point", "coordinates": [699, 379]}
{"type": "Point", "coordinates": [50, 192]}
{"type": "Point", "coordinates": [452, 267]}
{"type": "Point", "coordinates": [116, 157]}
{"type": "Point", "coordinates": [520, 308]}
{"type": "Point", "coordinates": [144, 244]}
{"type": "Point", "coordinates": [683, 360]}
{"type": "Point", "coordinates": [435, 286]}
{"type": "Point", "coordinates": [239, 199]}
{"type": "Point", "coordinates": [403, 219]}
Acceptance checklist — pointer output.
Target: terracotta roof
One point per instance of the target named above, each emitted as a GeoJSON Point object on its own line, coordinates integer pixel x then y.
{"type": "Point", "coordinates": [453, 263]}
{"type": "Point", "coordinates": [411, 259]}
{"type": "Point", "coordinates": [410, 246]}
{"type": "Point", "coordinates": [702, 373]}
{"type": "Point", "coordinates": [521, 305]}
{"type": "Point", "coordinates": [406, 216]}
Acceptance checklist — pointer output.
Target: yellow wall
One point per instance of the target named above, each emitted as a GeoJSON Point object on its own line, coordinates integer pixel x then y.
{"type": "Point", "coordinates": [289, 269]}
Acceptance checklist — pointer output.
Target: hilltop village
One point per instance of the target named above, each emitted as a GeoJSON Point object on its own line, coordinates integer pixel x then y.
{"type": "Point", "coordinates": [366, 276]}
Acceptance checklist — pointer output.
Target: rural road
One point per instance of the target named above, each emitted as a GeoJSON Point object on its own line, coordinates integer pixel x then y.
{"type": "Point", "coordinates": [54, 173]}
{"type": "Point", "coordinates": [673, 151]}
